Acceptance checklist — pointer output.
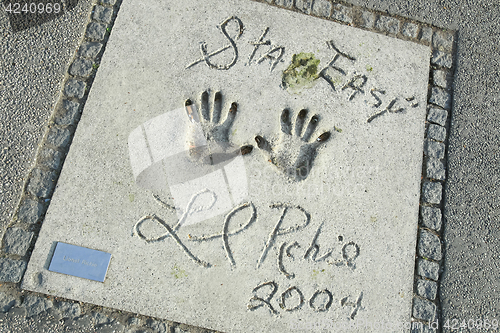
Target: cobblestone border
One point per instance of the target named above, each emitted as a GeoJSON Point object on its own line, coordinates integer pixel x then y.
{"type": "Point", "coordinates": [18, 241]}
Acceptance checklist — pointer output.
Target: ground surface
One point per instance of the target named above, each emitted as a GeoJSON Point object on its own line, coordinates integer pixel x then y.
{"type": "Point", "coordinates": [34, 61]}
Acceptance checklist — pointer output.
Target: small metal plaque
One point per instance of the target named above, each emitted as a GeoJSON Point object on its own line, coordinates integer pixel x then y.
{"type": "Point", "coordinates": [80, 261]}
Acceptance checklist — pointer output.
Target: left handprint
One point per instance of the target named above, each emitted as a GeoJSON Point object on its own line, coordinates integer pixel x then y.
{"type": "Point", "coordinates": [208, 137]}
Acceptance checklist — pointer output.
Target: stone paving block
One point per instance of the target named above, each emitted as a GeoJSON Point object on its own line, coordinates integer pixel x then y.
{"type": "Point", "coordinates": [35, 305]}
{"type": "Point", "coordinates": [68, 113]}
{"type": "Point", "coordinates": [441, 98]}
{"type": "Point", "coordinates": [435, 169]}
{"type": "Point", "coordinates": [429, 245]}
{"type": "Point", "coordinates": [102, 14]}
{"type": "Point", "coordinates": [7, 302]}
{"type": "Point", "coordinates": [437, 116]}
{"type": "Point", "coordinates": [30, 211]}
{"type": "Point", "coordinates": [436, 132]}
{"type": "Point", "coordinates": [90, 49]}
{"type": "Point", "coordinates": [41, 183]}
{"type": "Point", "coordinates": [426, 34]}
{"type": "Point", "coordinates": [442, 59]}
{"type": "Point", "coordinates": [59, 137]}
{"type": "Point", "coordinates": [100, 318]}
{"type": "Point", "coordinates": [108, 2]}
{"type": "Point", "coordinates": [434, 149]}
{"type": "Point", "coordinates": [409, 30]}
{"type": "Point", "coordinates": [322, 8]}
{"type": "Point", "coordinates": [17, 241]}
{"type": "Point", "coordinates": [134, 321]}
{"type": "Point", "coordinates": [442, 41]}
{"type": "Point", "coordinates": [428, 269]}
{"type": "Point", "coordinates": [388, 24]}
{"type": "Point", "coordinates": [81, 67]}
{"type": "Point", "coordinates": [367, 19]}
{"type": "Point", "coordinates": [303, 5]}
{"type": "Point", "coordinates": [69, 309]}
{"type": "Point", "coordinates": [284, 3]}
{"type": "Point", "coordinates": [432, 192]}
{"type": "Point", "coordinates": [431, 217]}
{"type": "Point", "coordinates": [157, 326]}
{"type": "Point", "coordinates": [427, 289]}
{"type": "Point", "coordinates": [342, 13]}
{"type": "Point", "coordinates": [424, 309]}
{"type": "Point", "coordinates": [440, 78]}
{"type": "Point", "coordinates": [50, 158]}
{"type": "Point", "coordinates": [74, 88]}
{"type": "Point", "coordinates": [96, 31]}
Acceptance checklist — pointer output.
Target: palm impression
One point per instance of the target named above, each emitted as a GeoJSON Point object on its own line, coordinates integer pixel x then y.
{"type": "Point", "coordinates": [294, 152]}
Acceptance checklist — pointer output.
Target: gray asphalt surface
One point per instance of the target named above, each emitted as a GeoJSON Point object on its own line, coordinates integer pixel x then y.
{"type": "Point", "coordinates": [32, 64]}
{"type": "Point", "coordinates": [470, 283]}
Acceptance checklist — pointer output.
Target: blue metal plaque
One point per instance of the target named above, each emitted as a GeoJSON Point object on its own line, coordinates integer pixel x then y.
{"type": "Point", "coordinates": [80, 261]}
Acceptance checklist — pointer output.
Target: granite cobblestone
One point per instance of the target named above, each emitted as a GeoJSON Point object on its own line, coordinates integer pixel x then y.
{"type": "Point", "coordinates": [90, 50]}
{"type": "Point", "coordinates": [429, 245]}
{"type": "Point", "coordinates": [388, 24]}
{"type": "Point", "coordinates": [432, 192]}
{"type": "Point", "coordinates": [59, 137]}
{"type": "Point", "coordinates": [17, 241]}
{"type": "Point", "coordinates": [11, 270]}
{"type": "Point", "coordinates": [428, 269]}
{"type": "Point", "coordinates": [102, 14]}
{"type": "Point", "coordinates": [367, 20]}
{"type": "Point", "coordinates": [441, 59]}
{"type": "Point", "coordinates": [436, 132]}
{"type": "Point", "coordinates": [431, 217]}
{"type": "Point", "coordinates": [342, 13]}
{"type": "Point", "coordinates": [437, 116]}
{"type": "Point", "coordinates": [427, 289]}
{"type": "Point", "coordinates": [81, 67]}
{"type": "Point", "coordinates": [41, 183]}
{"type": "Point", "coordinates": [50, 158]}
{"type": "Point", "coordinates": [426, 34]}
{"type": "Point", "coordinates": [96, 31]}
{"type": "Point", "coordinates": [67, 114]}
{"type": "Point", "coordinates": [424, 309]}
{"type": "Point", "coordinates": [440, 97]}
{"type": "Point", "coordinates": [30, 211]}
{"type": "Point", "coordinates": [440, 78]}
{"type": "Point", "coordinates": [75, 88]}
{"type": "Point", "coordinates": [303, 5]}
{"type": "Point", "coordinates": [434, 149]}
{"type": "Point", "coordinates": [322, 8]}
{"type": "Point", "coordinates": [284, 3]}
{"type": "Point", "coordinates": [409, 30]}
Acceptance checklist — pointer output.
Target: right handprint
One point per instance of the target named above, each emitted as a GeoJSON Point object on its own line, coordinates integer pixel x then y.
{"type": "Point", "coordinates": [293, 154]}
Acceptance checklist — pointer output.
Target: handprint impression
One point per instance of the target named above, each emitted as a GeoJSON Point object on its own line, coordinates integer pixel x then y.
{"type": "Point", "coordinates": [293, 155]}
{"type": "Point", "coordinates": [217, 147]}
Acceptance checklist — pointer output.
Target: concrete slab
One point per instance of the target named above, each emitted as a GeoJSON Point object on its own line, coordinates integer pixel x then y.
{"type": "Point", "coordinates": [306, 231]}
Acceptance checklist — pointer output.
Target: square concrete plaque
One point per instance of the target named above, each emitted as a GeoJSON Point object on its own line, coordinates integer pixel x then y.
{"type": "Point", "coordinates": [315, 226]}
